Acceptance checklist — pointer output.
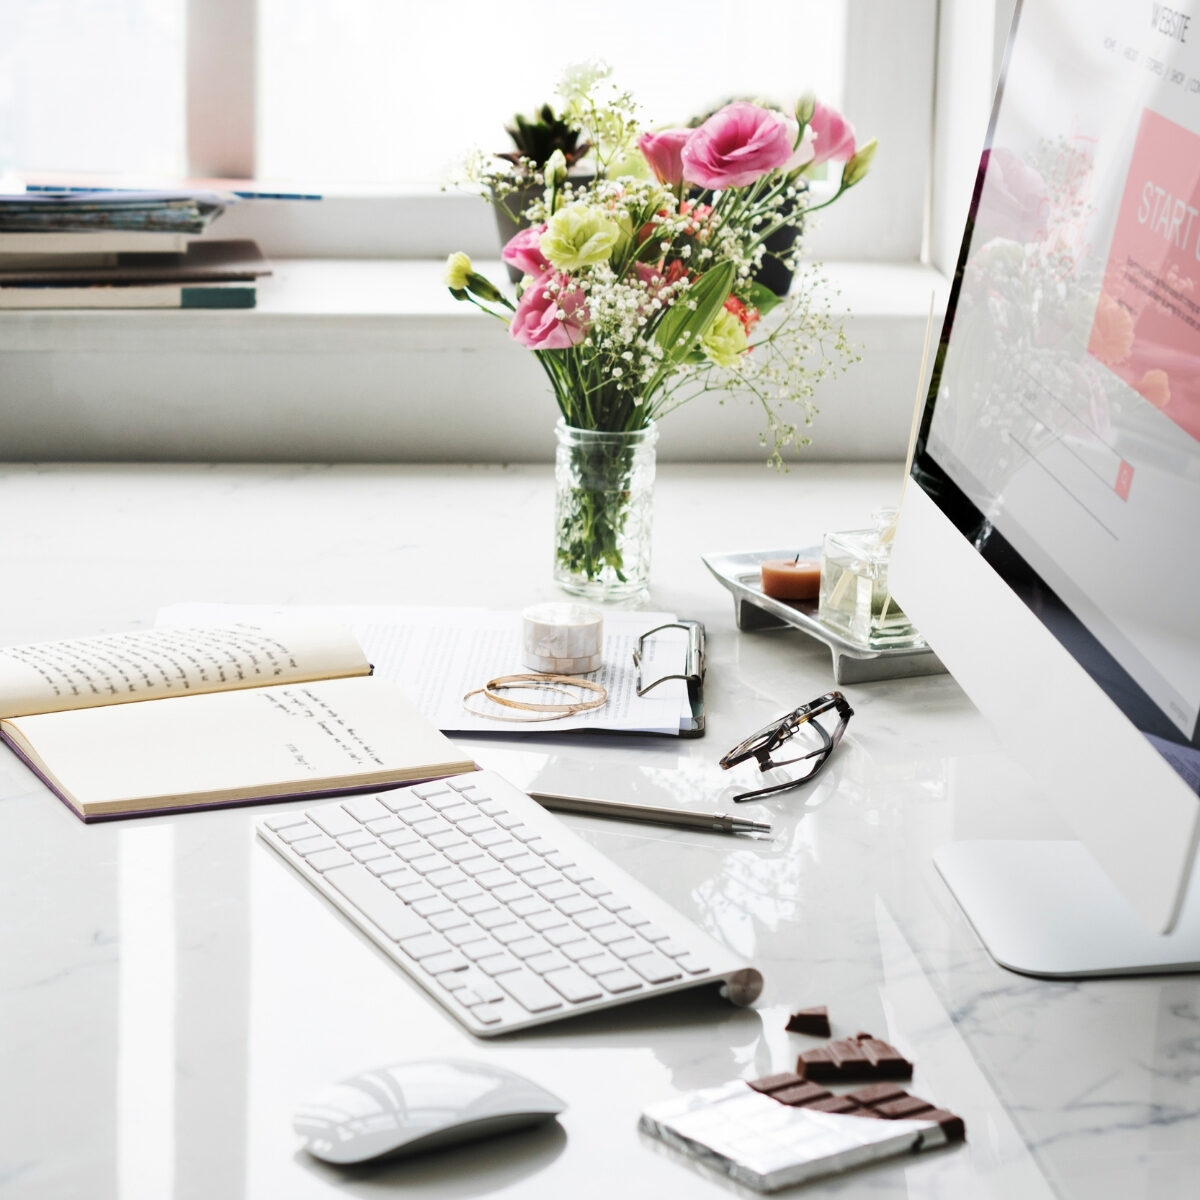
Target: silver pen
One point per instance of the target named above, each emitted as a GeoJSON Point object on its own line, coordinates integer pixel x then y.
{"type": "Point", "coordinates": [721, 822]}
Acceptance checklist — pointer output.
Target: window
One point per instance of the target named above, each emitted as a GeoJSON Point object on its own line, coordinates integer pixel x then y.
{"type": "Point", "coordinates": [375, 98]}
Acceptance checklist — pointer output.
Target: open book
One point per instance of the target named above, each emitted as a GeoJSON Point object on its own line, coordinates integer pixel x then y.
{"type": "Point", "coordinates": [177, 718]}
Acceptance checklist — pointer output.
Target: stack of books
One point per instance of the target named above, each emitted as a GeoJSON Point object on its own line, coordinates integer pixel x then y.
{"type": "Point", "coordinates": [121, 249]}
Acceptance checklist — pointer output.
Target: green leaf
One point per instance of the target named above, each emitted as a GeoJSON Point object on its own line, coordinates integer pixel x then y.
{"type": "Point", "coordinates": [687, 320]}
{"type": "Point", "coordinates": [761, 297]}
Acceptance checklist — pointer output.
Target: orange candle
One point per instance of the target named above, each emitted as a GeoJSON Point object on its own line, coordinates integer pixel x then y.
{"type": "Point", "coordinates": [791, 578]}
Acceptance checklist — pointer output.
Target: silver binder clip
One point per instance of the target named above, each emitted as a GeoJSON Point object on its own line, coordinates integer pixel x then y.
{"type": "Point", "coordinates": [693, 671]}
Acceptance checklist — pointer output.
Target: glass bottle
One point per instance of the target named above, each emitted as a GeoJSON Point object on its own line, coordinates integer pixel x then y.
{"type": "Point", "coordinates": [854, 598]}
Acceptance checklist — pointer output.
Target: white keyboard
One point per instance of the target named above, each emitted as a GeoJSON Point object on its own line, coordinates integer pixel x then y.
{"type": "Point", "coordinates": [495, 907]}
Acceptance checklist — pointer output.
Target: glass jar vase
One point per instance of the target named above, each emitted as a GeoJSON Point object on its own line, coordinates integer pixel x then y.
{"type": "Point", "coordinates": [602, 513]}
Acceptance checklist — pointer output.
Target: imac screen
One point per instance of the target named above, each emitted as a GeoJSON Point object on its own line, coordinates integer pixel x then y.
{"type": "Point", "coordinates": [1061, 431]}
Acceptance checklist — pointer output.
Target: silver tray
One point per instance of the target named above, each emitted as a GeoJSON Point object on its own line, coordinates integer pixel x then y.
{"type": "Point", "coordinates": [741, 573]}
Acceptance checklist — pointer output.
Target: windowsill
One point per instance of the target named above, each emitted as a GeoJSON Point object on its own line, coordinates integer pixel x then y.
{"type": "Point", "coordinates": [360, 359]}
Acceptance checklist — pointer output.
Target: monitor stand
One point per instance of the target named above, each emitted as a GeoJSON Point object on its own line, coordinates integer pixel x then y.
{"type": "Point", "coordinates": [1046, 908]}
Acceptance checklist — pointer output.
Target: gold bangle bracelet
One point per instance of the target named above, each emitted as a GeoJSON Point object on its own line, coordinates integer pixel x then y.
{"type": "Point", "coordinates": [546, 711]}
{"type": "Point", "coordinates": [552, 683]}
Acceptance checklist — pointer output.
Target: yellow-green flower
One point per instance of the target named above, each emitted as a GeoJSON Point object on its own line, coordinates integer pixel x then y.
{"type": "Point", "coordinates": [725, 341]}
{"type": "Point", "coordinates": [458, 271]}
{"type": "Point", "coordinates": [579, 235]}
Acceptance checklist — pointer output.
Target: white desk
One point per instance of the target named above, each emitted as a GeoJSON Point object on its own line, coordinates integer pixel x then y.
{"type": "Point", "coordinates": [171, 990]}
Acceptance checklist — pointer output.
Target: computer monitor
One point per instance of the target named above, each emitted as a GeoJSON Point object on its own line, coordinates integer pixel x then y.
{"type": "Point", "coordinates": [1048, 545]}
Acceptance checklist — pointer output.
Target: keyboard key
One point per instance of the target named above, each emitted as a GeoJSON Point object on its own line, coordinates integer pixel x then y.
{"type": "Point", "coordinates": [560, 860]}
{"type": "Point", "coordinates": [503, 851]}
{"type": "Point", "coordinates": [443, 801]}
{"type": "Point", "coordinates": [523, 864]}
{"type": "Point", "coordinates": [364, 808]}
{"type": "Point", "coordinates": [415, 814]}
{"type": "Point", "coordinates": [365, 854]}
{"type": "Point", "coordinates": [480, 947]}
{"type": "Point", "coordinates": [528, 947]}
{"type": "Point", "coordinates": [498, 965]}
{"type": "Point", "coordinates": [335, 820]}
{"type": "Point", "coordinates": [298, 832]}
{"type": "Point", "coordinates": [383, 865]}
{"type": "Point", "coordinates": [428, 826]}
{"type": "Point", "coordinates": [397, 879]}
{"type": "Point", "coordinates": [576, 874]}
{"type": "Point", "coordinates": [448, 838]}
{"type": "Point", "coordinates": [382, 825]}
{"type": "Point", "coordinates": [615, 935]}
{"type": "Point", "coordinates": [478, 904]}
{"type": "Point", "coordinates": [446, 877]}
{"type": "Point", "coordinates": [460, 812]}
{"type": "Point", "coordinates": [543, 921]}
{"type": "Point", "coordinates": [491, 918]}
{"type": "Point", "coordinates": [474, 825]}
{"type": "Point", "coordinates": [509, 893]}
{"type": "Point", "coordinates": [654, 968]}
{"type": "Point", "coordinates": [595, 888]}
{"type": "Point", "coordinates": [311, 845]}
{"type": "Point", "coordinates": [459, 892]}
{"type": "Point", "coordinates": [573, 985]}
{"type": "Point", "coordinates": [692, 964]}
{"type": "Point", "coordinates": [583, 948]}
{"type": "Point", "coordinates": [527, 905]}
{"type": "Point", "coordinates": [398, 837]}
{"type": "Point", "coordinates": [283, 820]}
{"type": "Point", "coordinates": [410, 893]}
{"type": "Point", "coordinates": [323, 860]}
{"type": "Point", "coordinates": [560, 935]}
{"type": "Point", "coordinates": [508, 821]}
{"type": "Point", "coordinates": [432, 905]}
{"type": "Point", "coordinates": [350, 841]}
{"type": "Point", "coordinates": [429, 863]}
{"type": "Point", "coordinates": [468, 850]}
{"type": "Point", "coordinates": [451, 960]}
{"type": "Point", "coordinates": [619, 981]}
{"type": "Point", "coordinates": [599, 964]}
{"type": "Point", "coordinates": [491, 837]}
{"type": "Point", "coordinates": [450, 920]}
{"type": "Point", "coordinates": [530, 992]}
{"type": "Point", "coordinates": [574, 903]}
{"type": "Point", "coordinates": [541, 877]}
{"type": "Point", "coordinates": [652, 933]}
{"type": "Point", "coordinates": [457, 935]}
{"type": "Point", "coordinates": [550, 961]}
{"type": "Point", "coordinates": [495, 878]}
{"type": "Point", "coordinates": [593, 918]}
{"type": "Point", "coordinates": [493, 808]}
{"type": "Point", "coordinates": [436, 787]}
{"type": "Point", "coordinates": [558, 889]}
{"type": "Point", "coordinates": [379, 903]}
{"type": "Point", "coordinates": [514, 931]}
{"type": "Point", "coordinates": [425, 945]}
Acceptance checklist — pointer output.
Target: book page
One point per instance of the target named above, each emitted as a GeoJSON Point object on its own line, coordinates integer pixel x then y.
{"type": "Point", "coordinates": [437, 655]}
{"type": "Point", "coordinates": [152, 664]}
{"type": "Point", "coordinates": [249, 744]}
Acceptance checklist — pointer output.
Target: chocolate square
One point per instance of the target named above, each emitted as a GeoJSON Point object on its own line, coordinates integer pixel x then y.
{"type": "Point", "coordinates": [813, 1021]}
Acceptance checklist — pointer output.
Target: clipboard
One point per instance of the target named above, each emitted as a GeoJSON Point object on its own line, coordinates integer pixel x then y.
{"type": "Point", "coordinates": [692, 673]}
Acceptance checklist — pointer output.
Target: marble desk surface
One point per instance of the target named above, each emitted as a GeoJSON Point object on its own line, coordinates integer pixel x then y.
{"type": "Point", "coordinates": [170, 991]}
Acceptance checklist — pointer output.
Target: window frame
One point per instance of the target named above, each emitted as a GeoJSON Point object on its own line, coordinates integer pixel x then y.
{"type": "Point", "coordinates": [895, 48]}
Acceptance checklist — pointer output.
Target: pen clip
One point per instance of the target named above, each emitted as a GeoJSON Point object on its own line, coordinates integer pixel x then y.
{"type": "Point", "coordinates": [693, 670]}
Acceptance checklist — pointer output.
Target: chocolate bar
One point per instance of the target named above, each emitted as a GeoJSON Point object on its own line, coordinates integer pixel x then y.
{"type": "Point", "coordinates": [849, 1060]}
{"type": "Point", "coordinates": [883, 1101]}
{"type": "Point", "coordinates": [814, 1021]}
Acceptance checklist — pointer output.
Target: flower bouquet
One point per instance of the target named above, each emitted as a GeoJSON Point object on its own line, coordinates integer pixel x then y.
{"type": "Point", "coordinates": [638, 293]}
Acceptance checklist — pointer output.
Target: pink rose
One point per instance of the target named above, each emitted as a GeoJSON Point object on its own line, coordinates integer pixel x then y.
{"type": "Point", "coordinates": [537, 322]}
{"type": "Point", "coordinates": [737, 145]}
{"type": "Point", "coordinates": [1015, 200]}
{"type": "Point", "coordinates": [662, 152]}
{"type": "Point", "coordinates": [835, 135]}
{"type": "Point", "coordinates": [524, 251]}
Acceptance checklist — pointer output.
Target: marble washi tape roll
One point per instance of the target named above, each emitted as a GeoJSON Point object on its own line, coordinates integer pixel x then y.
{"type": "Point", "coordinates": [563, 639]}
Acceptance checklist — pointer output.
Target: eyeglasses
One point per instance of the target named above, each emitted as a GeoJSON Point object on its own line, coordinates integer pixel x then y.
{"type": "Point", "coordinates": [814, 744]}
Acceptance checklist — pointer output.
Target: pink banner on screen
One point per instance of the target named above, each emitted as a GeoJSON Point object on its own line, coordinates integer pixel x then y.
{"type": "Point", "coordinates": [1146, 327]}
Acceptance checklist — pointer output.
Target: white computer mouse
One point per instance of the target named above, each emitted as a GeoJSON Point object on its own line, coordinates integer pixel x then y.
{"type": "Point", "coordinates": [414, 1106]}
